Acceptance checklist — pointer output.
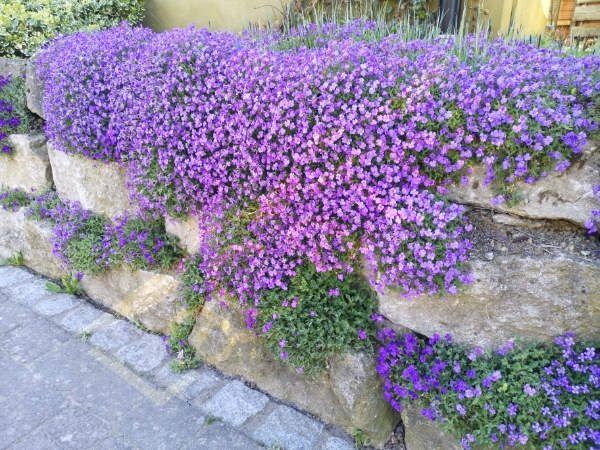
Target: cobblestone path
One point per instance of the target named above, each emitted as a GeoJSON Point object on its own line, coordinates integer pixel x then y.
{"type": "Point", "coordinates": [73, 376]}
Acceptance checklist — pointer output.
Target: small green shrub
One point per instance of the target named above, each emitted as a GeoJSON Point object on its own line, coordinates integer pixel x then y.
{"type": "Point", "coordinates": [178, 345]}
{"type": "Point", "coordinates": [192, 280]}
{"type": "Point", "coordinates": [28, 24]}
{"type": "Point", "coordinates": [84, 251]}
{"type": "Point", "coordinates": [141, 244]}
{"type": "Point", "coordinates": [15, 260]}
{"type": "Point", "coordinates": [318, 316]}
{"type": "Point", "coordinates": [68, 285]}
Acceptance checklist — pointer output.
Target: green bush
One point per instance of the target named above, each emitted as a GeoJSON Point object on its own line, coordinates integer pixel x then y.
{"type": "Point", "coordinates": [25, 25]}
{"type": "Point", "coordinates": [317, 317]}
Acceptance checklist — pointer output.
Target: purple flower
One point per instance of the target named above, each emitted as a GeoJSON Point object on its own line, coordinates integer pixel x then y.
{"type": "Point", "coordinates": [362, 335]}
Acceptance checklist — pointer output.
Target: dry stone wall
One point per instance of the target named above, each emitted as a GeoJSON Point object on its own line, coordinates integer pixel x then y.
{"type": "Point", "coordinates": [530, 281]}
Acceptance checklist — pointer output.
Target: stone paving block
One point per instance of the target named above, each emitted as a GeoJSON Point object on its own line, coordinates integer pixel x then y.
{"type": "Point", "coordinates": [115, 335]}
{"type": "Point", "coordinates": [83, 318]}
{"type": "Point", "coordinates": [143, 355]}
{"type": "Point", "coordinates": [220, 436]}
{"type": "Point", "coordinates": [172, 425]}
{"type": "Point", "coordinates": [56, 304]}
{"type": "Point", "coordinates": [13, 315]}
{"type": "Point", "coordinates": [235, 403]}
{"type": "Point", "coordinates": [336, 443]}
{"type": "Point", "coordinates": [29, 293]}
{"type": "Point", "coordinates": [172, 381]}
{"type": "Point", "coordinates": [10, 275]}
{"type": "Point", "coordinates": [32, 340]}
{"type": "Point", "coordinates": [25, 409]}
{"type": "Point", "coordinates": [75, 428]}
{"type": "Point", "coordinates": [205, 380]}
{"type": "Point", "coordinates": [287, 428]}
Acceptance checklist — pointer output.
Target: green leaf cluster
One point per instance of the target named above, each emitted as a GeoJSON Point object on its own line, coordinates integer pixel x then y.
{"type": "Point", "coordinates": [26, 25]}
{"type": "Point", "coordinates": [307, 324]}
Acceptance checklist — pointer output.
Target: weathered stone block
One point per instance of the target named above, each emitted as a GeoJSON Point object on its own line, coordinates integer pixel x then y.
{"type": "Point", "coordinates": [347, 395]}
{"type": "Point", "coordinates": [35, 89]}
{"type": "Point", "coordinates": [98, 186]}
{"type": "Point", "coordinates": [512, 296]}
{"type": "Point", "coordinates": [32, 239]}
{"type": "Point", "coordinates": [14, 67]}
{"type": "Point", "coordinates": [186, 230]}
{"type": "Point", "coordinates": [11, 232]}
{"type": "Point", "coordinates": [28, 166]}
{"type": "Point", "coordinates": [421, 433]}
{"type": "Point", "coordinates": [37, 250]}
{"type": "Point", "coordinates": [557, 197]}
{"type": "Point", "coordinates": [150, 298]}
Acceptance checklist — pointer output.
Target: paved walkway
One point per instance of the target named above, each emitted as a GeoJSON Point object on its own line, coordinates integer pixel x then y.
{"type": "Point", "coordinates": [73, 376]}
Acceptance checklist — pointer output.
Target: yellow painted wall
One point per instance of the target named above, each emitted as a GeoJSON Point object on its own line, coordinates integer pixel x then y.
{"type": "Point", "coordinates": [530, 16]}
{"type": "Point", "coordinates": [232, 15]}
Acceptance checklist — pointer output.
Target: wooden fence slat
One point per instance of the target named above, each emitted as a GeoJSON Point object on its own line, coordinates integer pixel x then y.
{"type": "Point", "coordinates": [585, 13]}
{"type": "Point", "coordinates": [587, 2]}
{"type": "Point", "coordinates": [585, 31]}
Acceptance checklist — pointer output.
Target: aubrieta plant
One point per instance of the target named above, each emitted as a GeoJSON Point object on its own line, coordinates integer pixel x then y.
{"type": "Point", "coordinates": [13, 200]}
{"type": "Point", "coordinates": [535, 396]}
{"type": "Point", "coordinates": [318, 316]}
{"type": "Point", "coordinates": [343, 148]}
{"type": "Point", "coordinates": [13, 115]}
{"type": "Point", "coordinates": [89, 243]}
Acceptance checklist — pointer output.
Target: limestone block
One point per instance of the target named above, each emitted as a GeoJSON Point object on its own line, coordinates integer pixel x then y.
{"type": "Point", "coordinates": [566, 196]}
{"type": "Point", "coordinates": [512, 296]}
{"type": "Point", "coordinates": [150, 298]}
{"type": "Point", "coordinates": [14, 67]}
{"type": "Point", "coordinates": [98, 186]}
{"type": "Point", "coordinates": [35, 89]}
{"type": "Point", "coordinates": [186, 230]}
{"type": "Point", "coordinates": [27, 167]}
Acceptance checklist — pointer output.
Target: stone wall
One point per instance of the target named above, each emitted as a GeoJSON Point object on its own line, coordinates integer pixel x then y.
{"type": "Point", "coordinates": [536, 275]}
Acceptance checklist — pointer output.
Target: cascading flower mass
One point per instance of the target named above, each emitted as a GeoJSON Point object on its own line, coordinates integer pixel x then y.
{"type": "Point", "coordinates": [337, 153]}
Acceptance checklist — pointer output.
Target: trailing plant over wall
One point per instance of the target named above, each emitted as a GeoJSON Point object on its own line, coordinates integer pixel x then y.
{"type": "Point", "coordinates": [14, 116]}
{"type": "Point", "coordinates": [90, 244]}
{"type": "Point", "coordinates": [334, 154]}
{"type": "Point", "coordinates": [28, 24]}
{"type": "Point", "coordinates": [543, 396]}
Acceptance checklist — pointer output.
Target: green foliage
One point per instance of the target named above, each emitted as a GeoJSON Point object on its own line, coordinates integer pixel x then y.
{"type": "Point", "coordinates": [25, 25]}
{"type": "Point", "coordinates": [14, 199]}
{"type": "Point", "coordinates": [84, 250]}
{"type": "Point", "coordinates": [15, 260]}
{"type": "Point", "coordinates": [68, 285]}
{"type": "Point", "coordinates": [143, 244]}
{"type": "Point", "coordinates": [13, 94]}
{"type": "Point", "coordinates": [178, 345]}
{"type": "Point", "coordinates": [192, 280]}
{"type": "Point", "coordinates": [317, 317]}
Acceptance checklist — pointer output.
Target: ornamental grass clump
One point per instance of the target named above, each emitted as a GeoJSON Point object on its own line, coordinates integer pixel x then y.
{"type": "Point", "coordinates": [540, 396]}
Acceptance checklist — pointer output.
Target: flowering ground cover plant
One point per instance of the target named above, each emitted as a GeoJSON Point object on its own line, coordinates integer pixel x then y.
{"type": "Point", "coordinates": [337, 153]}
{"type": "Point", "coordinates": [14, 117]}
{"type": "Point", "coordinates": [541, 396]}
{"type": "Point", "coordinates": [318, 316]}
{"type": "Point", "coordinates": [13, 200]}
{"type": "Point", "coordinates": [89, 243]}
